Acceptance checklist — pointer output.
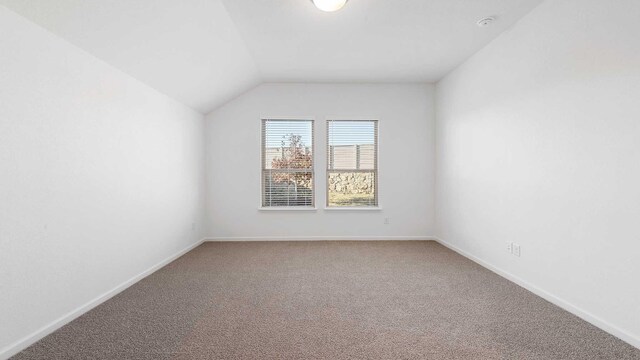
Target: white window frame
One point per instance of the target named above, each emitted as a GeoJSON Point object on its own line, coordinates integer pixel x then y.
{"type": "Point", "coordinates": [376, 207]}
{"type": "Point", "coordinates": [313, 207]}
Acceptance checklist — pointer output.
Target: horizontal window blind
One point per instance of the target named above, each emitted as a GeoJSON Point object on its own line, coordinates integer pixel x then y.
{"type": "Point", "coordinates": [287, 163]}
{"type": "Point", "coordinates": [352, 163]}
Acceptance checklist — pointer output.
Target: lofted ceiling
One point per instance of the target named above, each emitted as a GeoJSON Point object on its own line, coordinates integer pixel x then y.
{"type": "Point", "coordinates": [369, 40]}
{"type": "Point", "coordinates": [188, 49]}
{"type": "Point", "coordinates": [205, 52]}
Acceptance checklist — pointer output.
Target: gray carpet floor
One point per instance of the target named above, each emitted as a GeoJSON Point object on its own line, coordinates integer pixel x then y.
{"type": "Point", "coordinates": [327, 300]}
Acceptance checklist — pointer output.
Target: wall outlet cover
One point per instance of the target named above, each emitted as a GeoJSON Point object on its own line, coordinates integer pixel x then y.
{"type": "Point", "coordinates": [516, 249]}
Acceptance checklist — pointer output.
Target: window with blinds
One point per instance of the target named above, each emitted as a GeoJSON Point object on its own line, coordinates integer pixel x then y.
{"type": "Point", "coordinates": [287, 163]}
{"type": "Point", "coordinates": [352, 163]}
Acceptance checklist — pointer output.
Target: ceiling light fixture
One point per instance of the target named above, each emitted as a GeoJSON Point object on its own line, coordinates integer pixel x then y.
{"type": "Point", "coordinates": [329, 5]}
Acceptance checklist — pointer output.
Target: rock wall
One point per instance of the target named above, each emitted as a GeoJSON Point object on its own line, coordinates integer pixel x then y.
{"type": "Point", "coordinates": [351, 183]}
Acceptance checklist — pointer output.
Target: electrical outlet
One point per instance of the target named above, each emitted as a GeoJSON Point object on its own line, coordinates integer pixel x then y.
{"type": "Point", "coordinates": [193, 226]}
{"type": "Point", "coordinates": [510, 248]}
{"type": "Point", "coordinates": [516, 250]}
{"type": "Point", "coordinates": [386, 221]}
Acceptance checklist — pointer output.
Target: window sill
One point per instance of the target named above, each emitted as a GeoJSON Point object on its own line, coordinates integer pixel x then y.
{"type": "Point", "coordinates": [372, 208]}
{"type": "Point", "coordinates": [285, 208]}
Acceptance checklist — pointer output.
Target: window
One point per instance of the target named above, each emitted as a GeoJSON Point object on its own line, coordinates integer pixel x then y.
{"type": "Point", "coordinates": [287, 163]}
{"type": "Point", "coordinates": [352, 163]}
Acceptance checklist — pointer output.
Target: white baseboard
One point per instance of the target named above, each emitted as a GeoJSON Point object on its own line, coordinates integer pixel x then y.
{"type": "Point", "coordinates": [584, 315]}
{"type": "Point", "coordinates": [317, 238]}
{"type": "Point", "coordinates": [28, 340]}
{"type": "Point", "coordinates": [25, 342]}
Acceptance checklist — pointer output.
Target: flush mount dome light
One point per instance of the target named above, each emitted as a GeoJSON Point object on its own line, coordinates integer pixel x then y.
{"type": "Point", "coordinates": [329, 5]}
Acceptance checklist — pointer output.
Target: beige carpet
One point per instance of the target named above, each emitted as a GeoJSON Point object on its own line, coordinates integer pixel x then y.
{"type": "Point", "coordinates": [327, 300]}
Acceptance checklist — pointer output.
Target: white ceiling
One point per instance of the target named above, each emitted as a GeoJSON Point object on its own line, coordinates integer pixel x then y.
{"type": "Point", "coordinates": [369, 40]}
{"type": "Point", "coordinates": [187, 49]}
{"type": "Point", "coordinates": [204, 52]}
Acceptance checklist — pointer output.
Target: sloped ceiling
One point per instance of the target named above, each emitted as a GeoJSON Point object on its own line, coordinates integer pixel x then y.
{"type": "Point", "coordinates": [205, 52]}
{"type": "Point", "coordinates": [188, 49]}
{"type": "Point", "coordinates": [369, 40]}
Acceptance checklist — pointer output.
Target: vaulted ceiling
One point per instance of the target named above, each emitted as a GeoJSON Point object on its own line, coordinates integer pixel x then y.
{"type": "Point", "coordinates": [205, 52]}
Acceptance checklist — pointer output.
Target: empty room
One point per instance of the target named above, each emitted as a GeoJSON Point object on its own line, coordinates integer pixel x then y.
{"type": "Point", "coordinates": [320, 179]}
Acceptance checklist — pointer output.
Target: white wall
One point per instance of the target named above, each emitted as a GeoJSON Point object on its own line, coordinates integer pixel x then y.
{"type": "Point", "coordinates": [538, 142]}
{"type": "Point", "coordinates": [406, 161]}
{"type": "Point", "coordinates": [101, 178]}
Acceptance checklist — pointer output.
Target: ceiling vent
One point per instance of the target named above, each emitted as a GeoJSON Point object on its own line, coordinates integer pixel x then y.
{"type": "Point", "coordinates": [486, 21]}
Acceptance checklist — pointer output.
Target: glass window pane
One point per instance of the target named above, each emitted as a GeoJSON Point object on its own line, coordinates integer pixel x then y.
{"type": "Point", "coordinates": [287, 188]}
{"type": "Point", "coordinates": [351, 145]}
{"type": "Point", "coordinates": [288, 144]}
{"type": "Point", "coordinates": [287, 168]}
{"type": "Point", "coordinates": [351, 189]}
{"type": "Point", "coordinates": [352, 169]}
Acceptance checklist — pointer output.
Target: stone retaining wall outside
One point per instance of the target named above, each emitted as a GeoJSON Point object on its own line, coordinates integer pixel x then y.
{"type": "Point", "coordinates": [351, 183]}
